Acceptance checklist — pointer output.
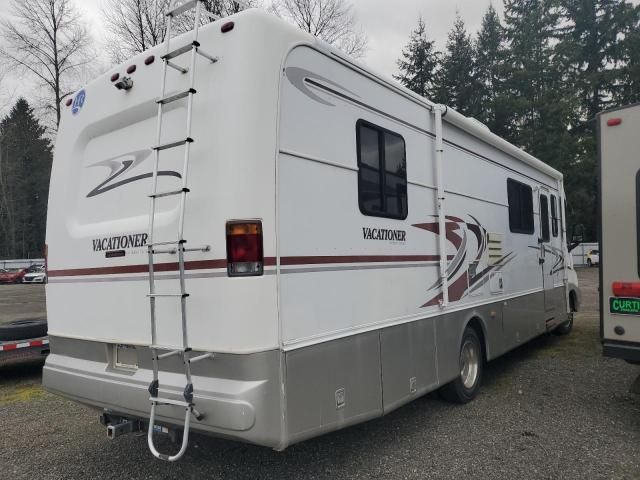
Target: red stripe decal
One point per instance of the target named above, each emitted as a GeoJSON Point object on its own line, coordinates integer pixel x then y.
{"type": "Point", "coordinates": [36, 343]}
{"type": "Point", "coordinates": [222, 263]}
{"type": "Point", "coordinates": [318, 260]}
{"type": "Point", "coordinates": [13, 346]}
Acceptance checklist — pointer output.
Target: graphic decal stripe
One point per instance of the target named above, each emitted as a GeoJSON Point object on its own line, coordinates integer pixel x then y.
{"type": "Point", "coordinates": [222, 263]}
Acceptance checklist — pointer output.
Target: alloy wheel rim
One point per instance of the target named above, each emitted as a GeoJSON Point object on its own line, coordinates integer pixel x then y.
{"type": "Point", "coordinates": [469, 364]}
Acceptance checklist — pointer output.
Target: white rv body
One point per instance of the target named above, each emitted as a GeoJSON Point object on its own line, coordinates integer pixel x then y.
{"type": "Point", "coordinates": [620, 232]}
{"type": "Point", "coordinates": [349, 319]}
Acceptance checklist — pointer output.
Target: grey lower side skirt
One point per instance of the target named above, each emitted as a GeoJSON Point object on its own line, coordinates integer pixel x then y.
{"type": "Point", "coordinates": [277, 398]}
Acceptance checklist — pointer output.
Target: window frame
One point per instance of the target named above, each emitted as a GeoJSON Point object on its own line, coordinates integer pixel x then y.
{"type": "Point", "coordinates": [545, 233]}
{"type": "Point", "coordinates": [554, 216]}
{"type": "Point", "coordinates": [531, 223]}
{"type": "Point", "coordinates": [381, 131]}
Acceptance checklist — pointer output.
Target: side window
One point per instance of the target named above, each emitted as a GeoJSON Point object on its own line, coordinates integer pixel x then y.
{"type": "Point", "coordinates": [554, 216]}
{"type": "Point", "coordinates": [520, 198]}
{"type": "Point", "coordinates": [382, 172]}
{"type": "Point", "coordinates": [544, 218]}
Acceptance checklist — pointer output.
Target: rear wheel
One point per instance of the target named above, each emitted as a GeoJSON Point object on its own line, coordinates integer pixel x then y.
{"type": "Point", "coordinates": [465, 387]}
{"type": "Point", "coordinates": [589, 262]}
{"type": "Point", "coordinates": [566, 327]}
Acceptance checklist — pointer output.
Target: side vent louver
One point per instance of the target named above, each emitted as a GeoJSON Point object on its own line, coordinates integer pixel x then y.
{"type": "Point", "coordinates": [495, 247]}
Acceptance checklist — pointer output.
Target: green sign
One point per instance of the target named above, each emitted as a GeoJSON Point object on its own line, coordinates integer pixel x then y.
{"type": "Point", "coordinates": [624, 306]}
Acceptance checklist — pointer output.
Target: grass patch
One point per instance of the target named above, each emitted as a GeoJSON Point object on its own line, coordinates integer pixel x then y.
{"type": "Point", "coordinates": [21, 393]}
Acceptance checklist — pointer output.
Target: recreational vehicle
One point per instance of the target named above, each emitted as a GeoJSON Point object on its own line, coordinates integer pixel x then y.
{"type": "Point", "coordinates": [251, 235]}
{"type": "Point", "coordinates": [619, 254]}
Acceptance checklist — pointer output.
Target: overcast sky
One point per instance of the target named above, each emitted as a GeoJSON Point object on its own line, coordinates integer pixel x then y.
{"type": "Point", "coordinates": [386, 24]}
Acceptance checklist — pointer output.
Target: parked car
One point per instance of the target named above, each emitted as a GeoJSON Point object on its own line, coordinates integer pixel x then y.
{"type": "Point", "coordinates": [12, 275]}
{"type": "Point", "coordinates": [36, 274]}
{"type": "Point", "coordinates": [593, 258]}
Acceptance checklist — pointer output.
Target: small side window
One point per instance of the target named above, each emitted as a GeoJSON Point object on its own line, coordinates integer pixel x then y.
{"type": "Point", "coordinates": [382, 172]}
{"type": "Point", "coordinates": [554, 216]}
{"type": "Point", "coordinates": [544, 218]}
{"type": "Point", "coordinates": [520, 197]}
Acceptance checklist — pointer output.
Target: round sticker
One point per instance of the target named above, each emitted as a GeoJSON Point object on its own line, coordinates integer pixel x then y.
{"type": "Point", "coordinates": [78, 102]}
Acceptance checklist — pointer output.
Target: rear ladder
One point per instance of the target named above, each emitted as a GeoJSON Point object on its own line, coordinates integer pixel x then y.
{"type": "Point", "coordinates": [177, 246]}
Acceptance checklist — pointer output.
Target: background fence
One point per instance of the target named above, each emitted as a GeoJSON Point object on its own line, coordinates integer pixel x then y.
{"type": "Point", "coordinates": [21, 262]}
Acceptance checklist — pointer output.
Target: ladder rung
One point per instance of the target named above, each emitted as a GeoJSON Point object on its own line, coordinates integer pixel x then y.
{"type": "Point", "coordinates": [169, 193]}
{"type": "Point", "coordinates": [172, 353]}
{"type": "Point", "coordinates": [166, 146]}
{"type": "Point", "coordinates": [169, 401]}
{"type": "Point", "coordinates": [204, 248]}
{"type": "Point", "coordinates": [200, 357]}
{"type": "Point", "coordinates": [175, 96]}
{"type": "Point", "coordinates": [177, 67]}
{"type": "Point", "coordinates": [178, 295]}
{"type": "Point", "coordinates": [211, 58]}
{"type": "Point", "coordinates": [189, 5]}
{"type": "Point", "coordinates": [166, 347]}
{"type": "Point", "coordinates": [171, 242]}
{"type": "Point", "coordinates": [180, 50]}
{"type": "Point", "coordinates": [161, 251]}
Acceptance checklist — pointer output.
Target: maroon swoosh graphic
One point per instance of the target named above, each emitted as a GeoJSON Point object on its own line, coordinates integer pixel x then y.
{"type": "Point", "coordinates": [450, 228]}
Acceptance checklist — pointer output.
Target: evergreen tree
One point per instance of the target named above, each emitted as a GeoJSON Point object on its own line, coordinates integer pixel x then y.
{"type": "Point", "coordinates": [627, 90]}
{"type": "Point", "coordinates": [456, 84]}
{"type": "Point", "coordinates": [597, 74]}
{"type": "Point", "coordinates": [419, 62]}
{"type": "Point", "coordinates": [25, 167]}
{"type": "Point", "coordinates": [491, 75]}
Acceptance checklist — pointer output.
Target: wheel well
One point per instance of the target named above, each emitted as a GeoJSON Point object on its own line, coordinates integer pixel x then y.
{"type": "Point", "coordinates": [572, 301]}
{"type": "Point", "coordinates": [476, 324]}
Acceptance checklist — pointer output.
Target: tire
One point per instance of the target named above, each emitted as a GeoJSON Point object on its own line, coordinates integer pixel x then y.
{"type": "Point", "coordinates": [566, 327]}
{"type": "Point", "coordinates": [589, 263]}
{"type": "Point", "coordinates": [465, 387]}
{"type": "Point", "coordinates": [23, 329]}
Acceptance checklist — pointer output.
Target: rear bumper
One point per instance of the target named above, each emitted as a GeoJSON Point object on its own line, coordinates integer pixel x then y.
{"type": "Point", "coordinates": [235, 393]}
{"type": "Point", "coordinates": [624, 350]}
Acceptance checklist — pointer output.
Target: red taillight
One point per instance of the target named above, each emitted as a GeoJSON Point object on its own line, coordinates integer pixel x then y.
{"type": "Point", "coordinates": [245, 256]}
{"type": "Point", "coordinates": [626, 289]}
{"type": "Point", "coordinates": [131, 69]}
{"type": "Point", "coordinates": [115, 77]}
{"type": "Point", "coordinates": [612, 122]}
{"type": "Point", "coordinates": [227, 27]}
{"type": "Point", "coordinates": [149, 60]}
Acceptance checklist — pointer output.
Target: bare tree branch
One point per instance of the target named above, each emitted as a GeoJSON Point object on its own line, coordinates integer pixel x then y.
{"type": "Point", "coordinates": [137, 25]}
{"type": "Point", "coordinates": [331, 20]}
{"type": "Point", "coordinates": [48, 39]}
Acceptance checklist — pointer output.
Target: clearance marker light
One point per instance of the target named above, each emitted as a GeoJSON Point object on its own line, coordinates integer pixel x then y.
{"type": "Point", "coordinates": [245, 256]}
{"type": "Point", "coordinates": [612, 122]}
{"type": "Point", "coordinates": [626, 289]}
{"type": "Point", "coordinates": [227, 27]}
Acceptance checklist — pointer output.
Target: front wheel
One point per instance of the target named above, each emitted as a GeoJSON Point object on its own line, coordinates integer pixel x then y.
{"type": "Point", "coordinates": [465, 387]}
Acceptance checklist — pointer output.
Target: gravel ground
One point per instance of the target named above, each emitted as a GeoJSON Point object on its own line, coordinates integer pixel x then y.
{"type": "Point", "coordinates": [554, 408]}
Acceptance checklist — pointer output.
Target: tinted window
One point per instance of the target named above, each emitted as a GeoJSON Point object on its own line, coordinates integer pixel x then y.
{"type": "Point", "coordinates": [520, 207]}
{"type": "Point", "coordinates": [544, 218]}
{"type": "Point", "coordinates": [554, 216]}
{"type": "Point", "coordinates": [382, 177]}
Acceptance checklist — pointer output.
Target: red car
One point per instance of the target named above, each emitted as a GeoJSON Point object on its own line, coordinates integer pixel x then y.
{"type": "Point", "coordinates": [12, 275]}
